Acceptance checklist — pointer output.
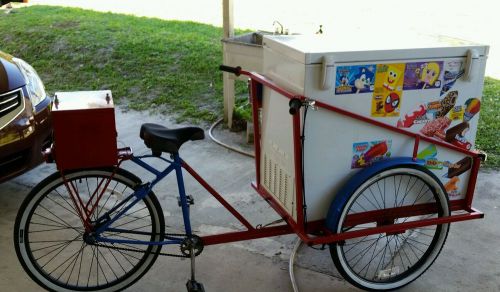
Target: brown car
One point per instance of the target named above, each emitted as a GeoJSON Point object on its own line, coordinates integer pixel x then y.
{"type": "Point", "coordinates": [25, 125]}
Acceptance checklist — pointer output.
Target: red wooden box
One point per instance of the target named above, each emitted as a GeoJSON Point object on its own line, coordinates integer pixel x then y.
{"type": "Point", "coordinates": [84, 129]}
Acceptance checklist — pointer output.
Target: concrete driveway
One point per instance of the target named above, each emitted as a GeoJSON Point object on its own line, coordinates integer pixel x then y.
{"type": "Point", "coordinates": [468, 262]}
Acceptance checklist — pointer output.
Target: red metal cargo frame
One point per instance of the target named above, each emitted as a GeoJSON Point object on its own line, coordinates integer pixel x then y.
{"type": "Point", "coordinates": [315, 232]}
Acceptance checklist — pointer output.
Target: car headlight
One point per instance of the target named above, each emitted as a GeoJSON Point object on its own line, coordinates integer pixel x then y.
{"type": "Point", "coordinates": [34, 84]}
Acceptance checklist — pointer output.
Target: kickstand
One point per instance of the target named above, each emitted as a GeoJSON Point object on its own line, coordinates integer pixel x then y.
{"type": "Point", "coordinates": [192, 285]}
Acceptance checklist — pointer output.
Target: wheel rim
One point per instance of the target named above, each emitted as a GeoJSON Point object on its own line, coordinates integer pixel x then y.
{"type": "Point", "coordinates": [53, 237]}
{"type": "Point", "coordinates": [389, 261]}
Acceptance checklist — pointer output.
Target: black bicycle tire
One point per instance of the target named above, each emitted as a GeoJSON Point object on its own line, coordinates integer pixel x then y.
{"type": "Point", "coordinates": [336, 256]}
{"type": "Point", "coordinates": [149, 260]}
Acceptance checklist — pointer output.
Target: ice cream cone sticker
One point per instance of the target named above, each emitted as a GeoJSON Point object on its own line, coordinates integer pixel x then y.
{"type": "Point", "coordinates": [472, 106]}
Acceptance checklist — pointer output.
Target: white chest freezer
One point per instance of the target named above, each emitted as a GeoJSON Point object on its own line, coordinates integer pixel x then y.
{"type": "Point", "coordinates": [428, 85]}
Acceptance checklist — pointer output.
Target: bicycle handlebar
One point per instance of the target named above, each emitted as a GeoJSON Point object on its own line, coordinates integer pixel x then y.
{"type": "Point", "coordinates": [295, 104]}
{"type": "Point", "coordinates": [235, 70]}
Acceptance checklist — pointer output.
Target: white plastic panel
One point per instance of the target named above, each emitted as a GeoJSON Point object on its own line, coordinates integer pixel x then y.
{"type": "Point", "coordinates": [329, 155]}
{"type": "Point", "coordinates": [277, 163]}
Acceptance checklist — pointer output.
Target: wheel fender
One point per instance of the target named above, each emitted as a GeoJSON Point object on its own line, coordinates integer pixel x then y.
{"type": "Point", "coordinates": [357, 180]}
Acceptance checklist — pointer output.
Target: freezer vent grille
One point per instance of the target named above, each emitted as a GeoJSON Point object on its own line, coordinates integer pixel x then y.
{"type": "Point", "coordinates": [279, 184]}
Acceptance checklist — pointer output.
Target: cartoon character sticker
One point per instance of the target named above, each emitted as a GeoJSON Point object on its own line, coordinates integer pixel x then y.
{"type": "Point", "coordinates": [366, 153]}
{"type": "Point", "coordinates": [423, 75]}
{"type": "Point", "coordinates": [452, 72]}
{"type": "Point", "coordinates": [355, 79]}
{"type": "Point", "coordinates": [386, 98]}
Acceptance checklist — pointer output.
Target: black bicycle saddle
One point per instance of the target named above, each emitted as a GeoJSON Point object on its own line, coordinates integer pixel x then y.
{"type": "Point", "coordinates": [161, 139]}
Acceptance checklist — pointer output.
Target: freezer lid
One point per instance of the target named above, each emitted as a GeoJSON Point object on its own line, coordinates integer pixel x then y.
{"type": "Point", "coordinates": [312, 49]}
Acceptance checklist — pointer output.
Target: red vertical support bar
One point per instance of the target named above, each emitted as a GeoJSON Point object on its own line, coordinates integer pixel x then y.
{"type": "Point", "coordinates": [297, 153]}
{"type": "Point", "coordinates": [415, 147]}
{"type": "Point", "coordinates": [476, 162]}
{"type": "Point", "coordinates": [256, 127]}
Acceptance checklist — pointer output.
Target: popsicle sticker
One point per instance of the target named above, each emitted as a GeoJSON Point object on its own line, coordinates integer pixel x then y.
{"type": "Point", "coordinates": [441, 107]}
{"type": "Point", "coordinates": [386, 98]}
{"type": "Point", "coordinates": [365, 153]}
{"type": "Point", "coordinates": [429, 155]}
{"type": "Point", "coordinates": [423, 75]}
{"type": "Point", "coordinates": [457, 113]}
{"type": "Point", "coordinates": [454, 171]}
{"type": "Point", "coordinates": [417, 116]}
{"type": "Point", "coordinates": [456, 136]}
{"type": "Point", "coordinates": [452, 72]}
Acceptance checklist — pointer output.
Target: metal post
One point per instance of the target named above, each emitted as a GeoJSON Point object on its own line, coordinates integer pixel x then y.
{"type": "Point", "coordinates": [228, 26]}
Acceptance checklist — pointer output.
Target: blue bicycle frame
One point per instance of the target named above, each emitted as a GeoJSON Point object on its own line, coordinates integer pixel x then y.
{"type": "Point", "coordinates": [141, 193]}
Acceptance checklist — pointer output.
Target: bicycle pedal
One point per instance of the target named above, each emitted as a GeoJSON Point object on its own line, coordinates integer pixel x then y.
{"type": "Point", "coordinates": [189, 198]}
{"type": "Point", "coordinates": [193, 286]}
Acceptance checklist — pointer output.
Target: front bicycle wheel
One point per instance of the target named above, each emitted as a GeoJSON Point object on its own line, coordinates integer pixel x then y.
{"type": "Point", "coordinates": [50, 242]}
{"type": "Point", "coordinates": [391, 260]}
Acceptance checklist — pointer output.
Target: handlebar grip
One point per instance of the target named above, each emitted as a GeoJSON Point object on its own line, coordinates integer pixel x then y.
{"type": "Point", "coordinates": [235, 70]}
{"type": "Point", "coordinates": [295, 105]}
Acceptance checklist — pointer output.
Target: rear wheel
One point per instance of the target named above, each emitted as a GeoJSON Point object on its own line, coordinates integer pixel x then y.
{"type": "Point", "coordinates": [54, 249]}
{"type": "Point", "coordinates": [390, 261]}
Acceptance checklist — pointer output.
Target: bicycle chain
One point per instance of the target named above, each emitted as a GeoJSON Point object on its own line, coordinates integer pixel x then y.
{"type": "Point", "coordinates": [143, 251]}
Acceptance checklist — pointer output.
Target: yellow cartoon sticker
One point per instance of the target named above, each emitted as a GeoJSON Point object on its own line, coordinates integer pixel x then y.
{"type": "Point", "coordinates": [386, 99]}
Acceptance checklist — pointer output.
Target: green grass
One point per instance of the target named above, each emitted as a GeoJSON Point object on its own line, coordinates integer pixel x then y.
{"type": "Point", "coordinates": [148, 63]}
{"type": "Point", "coordinates": [168, 66]}
{"type": "Point", "coordinates": [488, 136]}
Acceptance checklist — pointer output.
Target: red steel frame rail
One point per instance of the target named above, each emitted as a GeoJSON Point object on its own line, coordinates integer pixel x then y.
{"type": "Point", "coordinates": [317, 227]}
{"type": "Point", "coordinates": [298, 225]}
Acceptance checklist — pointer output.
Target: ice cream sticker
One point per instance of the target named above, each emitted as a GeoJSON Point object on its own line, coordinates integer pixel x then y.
{"type": "Point", "coordinates": [456, 113]}
{"type": "Point", "coordinates": [456, 135]}
{"type": "Point", "coordinates": [452, 71]}
{"type": "Point", "coordinates": [355, 79]}
{"type": "Point", "coordinates": [434, 114]}
{"type": "Point", "coordinates": [386, 98]}
{"type": "Point", "coordinates": [454, 171]}
{"type": "Point", "coordinates": [422, 75]}
{"type": "Point", "coordinates": [417, 116]}
{"type": "Point", "coordinates": [441, 107]}
{"type": "Point", "coordinates": [365, 153]}
{"type": "Point", "coordinates": [472, 106]}
{"type": "Point", "coordinates": [436, 128]}
{"type": "Point", "coordinates": [429, 155]}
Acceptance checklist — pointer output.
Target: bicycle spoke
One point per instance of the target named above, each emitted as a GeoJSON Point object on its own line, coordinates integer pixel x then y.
{"type": "Point", "coordinates": [69, 262]}
{"type": "Point", "coordinates": [64, 207]}
{"type": "Point", "coordinates": [373, 195]}
{"type": "Point", "coordinates": [91, 264]}
{"type": "Point", "coordinates": [76, 260]}
{"type": "Point", "coordinates": [389, 258]}
{"type": "Point", "coordinates": [107, 263]}
{"type": "Point", "coordinates": [62, 248]}
{"type": "Point", "coordinates": [69, 203]}
{"type": "Point", "coordinates": [61, 259]}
